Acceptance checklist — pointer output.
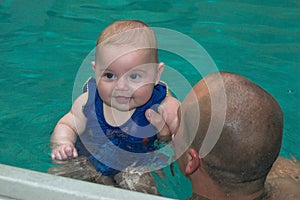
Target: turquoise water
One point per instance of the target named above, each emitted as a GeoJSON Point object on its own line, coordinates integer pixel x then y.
{"type": "Point", "coordinates": [43, 44]}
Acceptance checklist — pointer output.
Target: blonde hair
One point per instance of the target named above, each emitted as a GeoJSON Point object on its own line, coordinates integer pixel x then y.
{"type": "Point", "coordinates": [133, 33]}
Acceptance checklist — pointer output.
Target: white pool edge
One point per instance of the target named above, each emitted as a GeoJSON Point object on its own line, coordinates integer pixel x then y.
{"type": "Point", "coordinates": [18, 183]}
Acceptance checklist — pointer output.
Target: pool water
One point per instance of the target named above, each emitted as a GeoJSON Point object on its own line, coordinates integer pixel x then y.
{"type": "Point", "coordinates": [43, 44]}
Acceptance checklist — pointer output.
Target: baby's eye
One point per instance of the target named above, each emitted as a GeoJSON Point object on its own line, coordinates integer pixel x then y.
{"type": "Point", "coordinates": [135, 76]}
{"type": "Point", "coordinates": [109, 75]}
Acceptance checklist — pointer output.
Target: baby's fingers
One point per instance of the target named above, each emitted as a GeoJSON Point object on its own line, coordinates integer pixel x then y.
{"type": "Point", "coordinates": [63, 152]}
{"type": "Point", "coordinates": [71, 152]}
{"type": "Point", "coordinates": [55, 155]}
{"type": "Point", "coordinates": [75, 154]}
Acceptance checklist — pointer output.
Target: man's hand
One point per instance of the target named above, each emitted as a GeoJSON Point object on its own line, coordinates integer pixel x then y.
{"type": "Point", "coordinates": [166, 120]}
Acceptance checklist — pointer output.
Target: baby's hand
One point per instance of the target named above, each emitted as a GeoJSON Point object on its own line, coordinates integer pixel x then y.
{"type": "Point", "coordinates": [63, 152]}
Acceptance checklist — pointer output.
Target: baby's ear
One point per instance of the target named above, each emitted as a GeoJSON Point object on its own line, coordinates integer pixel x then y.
{"type": "Point", "coordinates": [160, 70]}
{"type": "Point", "coordinates": [193, 161]}
{"type": "Point", "coordinates": [93, 65]}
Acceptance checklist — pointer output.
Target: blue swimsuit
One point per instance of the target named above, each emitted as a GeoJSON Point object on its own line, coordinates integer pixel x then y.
{"type": "Point", "coordinates": [111, 149]}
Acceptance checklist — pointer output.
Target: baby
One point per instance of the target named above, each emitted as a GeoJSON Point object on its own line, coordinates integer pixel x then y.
{"type": "Point", "coordinates": [108, 122]}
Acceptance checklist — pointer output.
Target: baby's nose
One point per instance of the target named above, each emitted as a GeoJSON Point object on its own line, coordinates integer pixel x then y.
{"type": "Point", "coordinates": [122, 84]}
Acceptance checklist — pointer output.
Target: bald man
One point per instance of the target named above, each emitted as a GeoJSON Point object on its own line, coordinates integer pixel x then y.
{"type": "Point", "coordinates": [230, 136]}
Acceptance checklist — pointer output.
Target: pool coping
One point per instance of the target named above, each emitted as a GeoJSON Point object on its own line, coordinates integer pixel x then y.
{"type": "Point", "coordinates": [19, 183]}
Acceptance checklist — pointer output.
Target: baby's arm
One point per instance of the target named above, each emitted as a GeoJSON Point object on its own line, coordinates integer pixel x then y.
{"type": "Point", "coordinates": [66, 131]}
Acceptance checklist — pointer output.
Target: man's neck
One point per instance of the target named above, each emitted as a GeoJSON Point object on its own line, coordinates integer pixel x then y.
{"type": "Point", "coordinates": [205, 187]}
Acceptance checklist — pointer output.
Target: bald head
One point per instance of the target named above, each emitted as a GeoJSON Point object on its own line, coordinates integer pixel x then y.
{"type": "Point", "coordinates": [250, 138]}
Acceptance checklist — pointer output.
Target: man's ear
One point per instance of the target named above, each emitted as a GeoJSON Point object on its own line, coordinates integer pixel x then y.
{"type": "Point", "coordinates": [193, 162]}
{"type": "Point", "coordinates": [160, 70]}
{"type": "Point", "coordinates": [93, 65]}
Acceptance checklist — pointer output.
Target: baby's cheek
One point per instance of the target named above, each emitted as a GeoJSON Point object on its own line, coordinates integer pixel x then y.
{"type": "Point", "coordinates": [143, 94]}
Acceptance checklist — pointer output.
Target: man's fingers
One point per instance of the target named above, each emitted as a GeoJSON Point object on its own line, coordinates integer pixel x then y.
{"type": "Point", "coordinates": [164, 134]}
{"type": "Point", "coordinates": [155, 119]}
{"type": "Point", "coordinates": [175, 122]}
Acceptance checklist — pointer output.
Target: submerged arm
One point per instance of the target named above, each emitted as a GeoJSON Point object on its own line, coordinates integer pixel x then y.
{"type": "Point", "coordinates": [65, 132]}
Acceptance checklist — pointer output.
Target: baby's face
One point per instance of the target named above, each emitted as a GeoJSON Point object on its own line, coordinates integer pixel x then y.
{"type": "Point", "coordinates": [128, 81]}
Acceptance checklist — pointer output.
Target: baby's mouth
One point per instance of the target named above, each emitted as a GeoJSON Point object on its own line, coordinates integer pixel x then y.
{"type": "Point", "coordinates": [123, 99]}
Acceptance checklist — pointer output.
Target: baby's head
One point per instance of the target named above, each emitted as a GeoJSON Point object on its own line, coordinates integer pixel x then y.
{"type": "Point", "coordinates": [124, 37]}
{"type": "Point", "coordinates": [126, 64]}
{"type": "Point", "coordinates": [131, 35]}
